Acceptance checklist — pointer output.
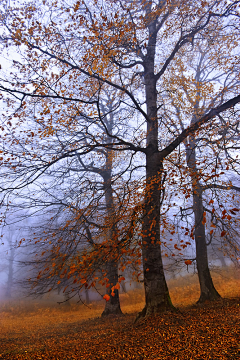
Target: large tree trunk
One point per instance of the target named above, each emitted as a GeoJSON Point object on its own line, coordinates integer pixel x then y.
{"type": "Point", "coordinates": [112, 306]}
{"type": "Point", "coordinates": [156, 290]}
{"type": "Point", "coordinates": [207, 289]}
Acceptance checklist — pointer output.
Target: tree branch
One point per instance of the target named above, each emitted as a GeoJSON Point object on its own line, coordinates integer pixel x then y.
{"type": "Point", "coordinates": [216, 186]}
{"type": "Point", "coordinates": [192, 128]}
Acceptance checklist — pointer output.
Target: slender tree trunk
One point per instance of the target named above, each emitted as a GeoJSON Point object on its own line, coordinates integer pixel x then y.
{"type": "Point", "coordinates": [137, 285]}
{"type": "Point", "coordinates": [222, 260]}
{"type": "Point", "coordinates": [10, 271]}
{"type": "Point", "coordinates": [207, 289]}
{"type": "Point", "coordinates": [66, 299]}
{"type": "Point", "coordinates": [156, 291]}
{"type": "Point", "coordinates": [87, 299]}
{"type": "Point", "coordinates": [112, 307]}
{"type": "Point", "coordinates": [123, 285]}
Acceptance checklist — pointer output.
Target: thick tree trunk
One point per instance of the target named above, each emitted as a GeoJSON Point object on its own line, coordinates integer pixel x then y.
{"type": "Point", "coordinates": [112, 306]}
{"type": "Point", "coordinates": [156, 290]}
{"type": "Point", "coordinates": [207, 289]}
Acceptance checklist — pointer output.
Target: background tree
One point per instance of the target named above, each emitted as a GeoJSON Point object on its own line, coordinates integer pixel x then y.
{"type": "Point", "coordinates": [197, 94]}
{"type": "Point", "coordinates": [86, 229]}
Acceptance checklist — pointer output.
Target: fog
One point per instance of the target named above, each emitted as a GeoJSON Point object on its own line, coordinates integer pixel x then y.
{"type": "Point", "coordinates": [14, 273]}
{"type": "Point", "coordinates": [20, 226]}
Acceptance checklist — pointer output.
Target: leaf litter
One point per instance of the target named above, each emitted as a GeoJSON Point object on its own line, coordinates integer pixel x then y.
{"type": "Point", "coordinates": [208, 331]}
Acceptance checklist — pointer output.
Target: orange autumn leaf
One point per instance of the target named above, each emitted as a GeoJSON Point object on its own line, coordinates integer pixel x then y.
{"type": "Point", "coordinates": [188, 262]}
{"type": "Point", "coordinates": [117, 286]}
{"type": "Point", "coordinates": [106, 297]}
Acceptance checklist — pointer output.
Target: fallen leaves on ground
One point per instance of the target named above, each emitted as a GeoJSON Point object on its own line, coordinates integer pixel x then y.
{"type": "Point", "coordinates": [201, 332]}
{"type": "Point", "coordinates": [209, 331]}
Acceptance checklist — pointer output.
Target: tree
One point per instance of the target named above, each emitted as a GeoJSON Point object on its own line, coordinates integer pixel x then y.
{"type": "Point", "coordinates": [88, 228]}
{"type": "Point", "coordinates": [197, 94]}
{"type": "Point", "coordinates": [70, 55]}
{"type": "Point", "coordinates": [9, 266]}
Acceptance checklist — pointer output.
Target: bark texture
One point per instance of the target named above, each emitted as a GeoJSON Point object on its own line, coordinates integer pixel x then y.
{"type": "Point", "coordinates": [156, 291]}
{"type": "Point", "coordinates": [112, 306]}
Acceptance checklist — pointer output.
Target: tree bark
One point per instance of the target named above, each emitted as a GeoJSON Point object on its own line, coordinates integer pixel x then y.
{"type": "Point", "coordinates": [207, 289]}
{"type": "Point", "coordinates": [112, 306]}
{"type": "Point", "coordinates": [156, 291]}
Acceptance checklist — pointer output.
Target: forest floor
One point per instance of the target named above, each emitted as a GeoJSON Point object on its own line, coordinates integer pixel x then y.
{"type": "Point", "coordinates": [209, 331]}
